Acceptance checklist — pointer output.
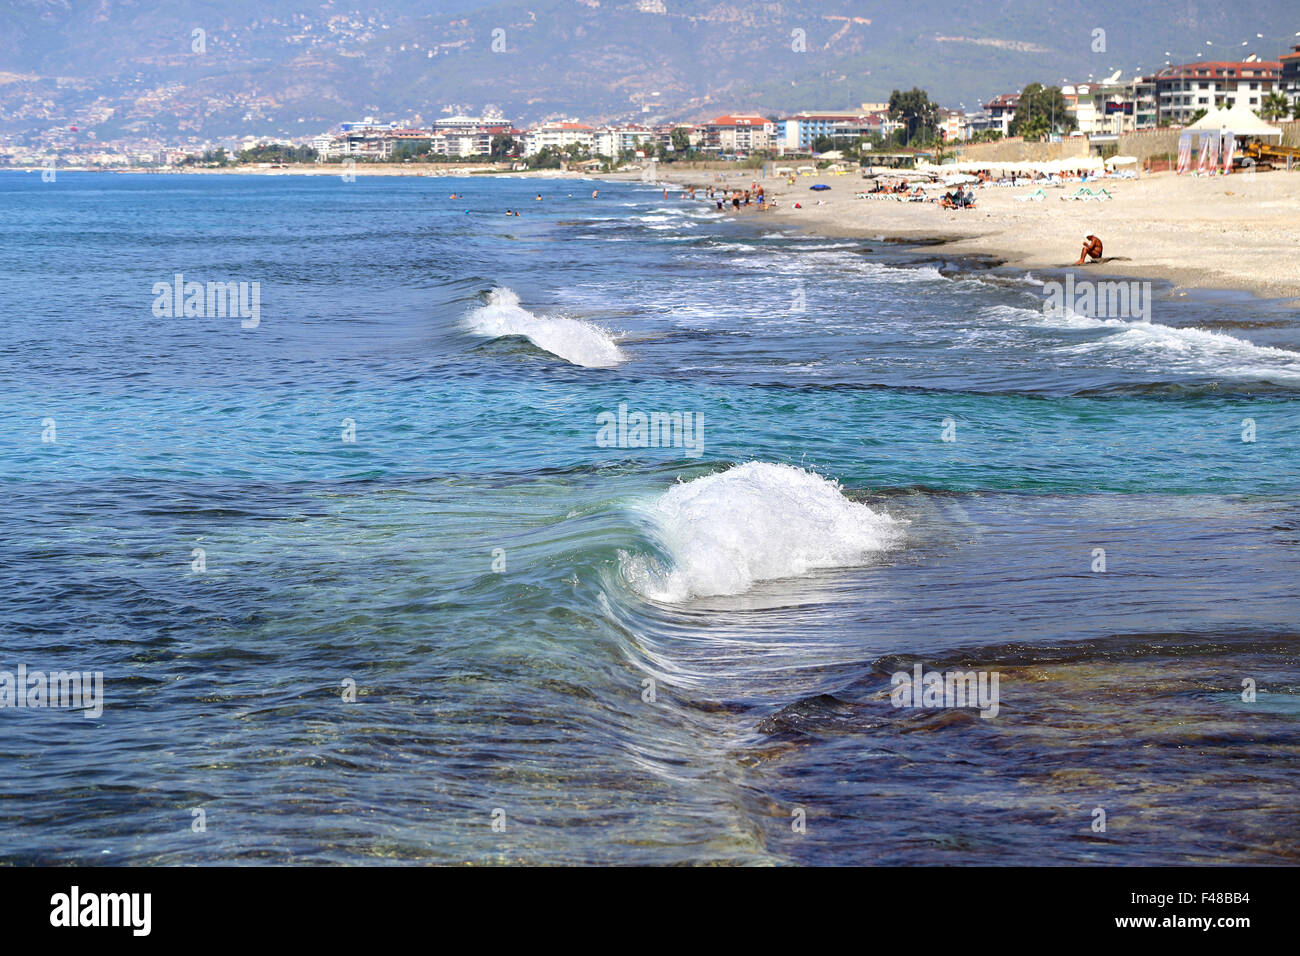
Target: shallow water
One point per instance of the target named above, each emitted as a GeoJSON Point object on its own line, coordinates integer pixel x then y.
{"type": "Point", "coordinates": [501, 583]}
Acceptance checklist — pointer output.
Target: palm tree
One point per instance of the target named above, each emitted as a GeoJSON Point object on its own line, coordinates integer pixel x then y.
{"type": "Point", "coordinates": [1274, 107]}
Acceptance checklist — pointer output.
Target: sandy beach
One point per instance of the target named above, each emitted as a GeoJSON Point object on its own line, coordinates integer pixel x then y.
{"type": "Point", "coordinates": [1239, 232]}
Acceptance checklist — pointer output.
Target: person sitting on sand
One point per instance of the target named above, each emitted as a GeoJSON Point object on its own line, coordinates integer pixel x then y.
{"type": "Point", "coordinates": [1091, 250]}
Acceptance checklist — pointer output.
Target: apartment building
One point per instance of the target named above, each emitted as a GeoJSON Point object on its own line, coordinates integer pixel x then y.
{"type": "Point", "coordinates": [797, 133]}
{"type": "Point", "coordinates": [739, 133]}
{"type": "Point", "coordinates": [615, 140]}
{"type": "Point", "coordinates": [559, 136]}
{"type": "Point", "coordinates": [1183, 90]}
{"type": "Point", "coordinates": [1290, 77]}
{"type": "Point", "coordinates": [999, 112]}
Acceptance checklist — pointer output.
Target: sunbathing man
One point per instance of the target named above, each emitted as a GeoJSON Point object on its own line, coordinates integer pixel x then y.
{"type": "Point", "coordinates": [1091, 250]}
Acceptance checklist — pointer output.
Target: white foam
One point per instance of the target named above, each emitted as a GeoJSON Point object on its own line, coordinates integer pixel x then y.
{"type": "Point", "coordinates": [759, 521]}
{"type": "Point", "coordinates": [1194, 349]}
{"type": "Point", "coordinates": [573, 340]}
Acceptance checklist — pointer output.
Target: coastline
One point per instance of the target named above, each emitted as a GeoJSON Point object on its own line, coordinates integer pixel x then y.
{"type": "Point", "coordinates": [1240, 233]}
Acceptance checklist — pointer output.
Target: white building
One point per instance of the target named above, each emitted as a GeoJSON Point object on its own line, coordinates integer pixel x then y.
{"type": "Point", "coordinates": [615, 140]}
{"type": "Point", "coordinates": [467, 135]}
{"type": "Point", "coordinates": [559, 136]}
{"type": "Point", "coordinates": [1183, 90]}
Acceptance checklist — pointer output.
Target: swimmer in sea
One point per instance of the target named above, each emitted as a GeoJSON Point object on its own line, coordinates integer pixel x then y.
{"type": "Point", "coordinates": [1091, 250]}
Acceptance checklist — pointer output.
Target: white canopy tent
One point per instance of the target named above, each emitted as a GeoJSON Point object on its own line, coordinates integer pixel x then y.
{"type": "Point", "coordinates": [1209, 121]}
{"type": "Point", "coordinates": [1238, 120]}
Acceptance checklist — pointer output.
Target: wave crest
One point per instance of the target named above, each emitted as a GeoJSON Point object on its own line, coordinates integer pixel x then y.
{"type": "Point", "coordinates": [759, 521]}
{"type": "Point", "coordinates": [573, 340]}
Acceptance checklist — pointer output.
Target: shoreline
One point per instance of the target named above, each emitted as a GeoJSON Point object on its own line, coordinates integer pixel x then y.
{"type": "Point", "coordinates": [1237, 234]}
{"type": "Point", "coordinates": [1247, 227]}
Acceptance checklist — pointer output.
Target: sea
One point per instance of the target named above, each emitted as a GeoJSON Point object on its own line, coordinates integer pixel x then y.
{"type": "Point", "coordinates": [618, 532]}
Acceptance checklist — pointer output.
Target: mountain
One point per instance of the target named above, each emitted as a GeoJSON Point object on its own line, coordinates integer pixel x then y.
{"type": "Point", "coordinates": [198, 68]}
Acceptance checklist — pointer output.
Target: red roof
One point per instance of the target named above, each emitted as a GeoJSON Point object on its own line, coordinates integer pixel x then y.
{"type": "Point", "coordinates": [1216, 69]}
{"type": "Point", "coordinates": [740, 119]}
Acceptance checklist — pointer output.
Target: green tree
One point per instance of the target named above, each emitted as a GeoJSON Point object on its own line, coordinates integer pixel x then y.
{"type": "Point", "coordinates": [548, 157]}
{"type": "Point", "coordinates": [272, 153]}
{"type": "Point", "coordinates": [1041, 111]}
{"type": "Point", "coordinates": [1275, 106]}
{"type": "Point", "coordinates": [503, 147]}
{"type": "Point", "coordinates": [681, 138]}
{"type": "Point", "coordinates": [918, 114]}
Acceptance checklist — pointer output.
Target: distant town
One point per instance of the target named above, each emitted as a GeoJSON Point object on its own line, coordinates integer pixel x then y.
{"type": "Point", "coordinates": [1100, 110]}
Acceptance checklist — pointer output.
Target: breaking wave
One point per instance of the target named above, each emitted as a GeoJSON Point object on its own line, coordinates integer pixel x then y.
{"type": "Point", "coordinates": [573, 340]}
{"type": "Point", "coordinates": [725, 532]}
{"type": "Point", "coordinates": [1193, 348]}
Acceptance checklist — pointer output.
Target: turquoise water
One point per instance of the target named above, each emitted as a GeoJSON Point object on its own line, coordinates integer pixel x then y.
{"type": "Point", "coordinates": [501, 583]}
